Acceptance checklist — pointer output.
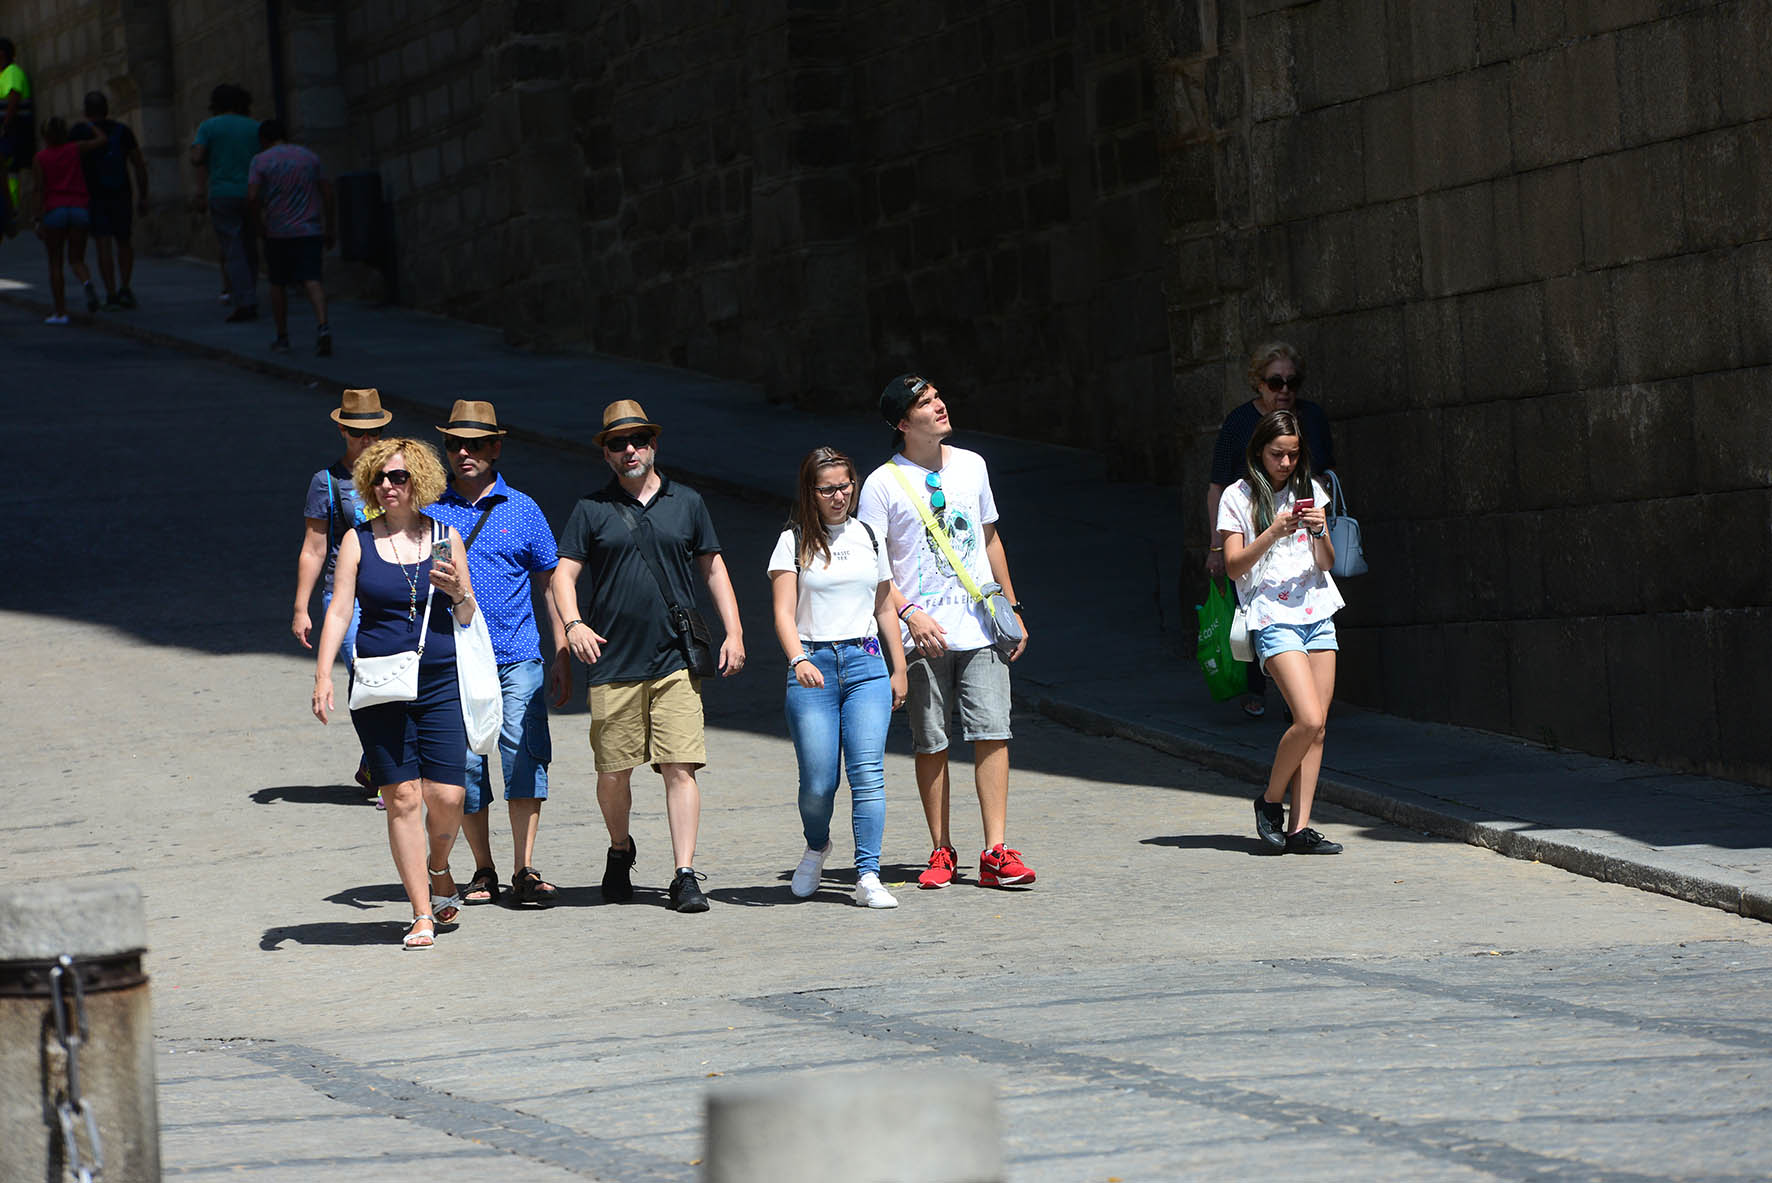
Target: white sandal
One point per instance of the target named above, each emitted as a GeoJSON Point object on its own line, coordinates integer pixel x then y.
{"type": "Point", "coordinates": [420, 940]}
{"type": "Point", "coordinates": [445, 903]}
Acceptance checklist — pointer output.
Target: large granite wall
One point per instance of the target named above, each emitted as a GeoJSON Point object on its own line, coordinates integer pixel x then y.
{"type": "Point", "coordinates": [1523, 245]}
{"type": "Point", "coordinates": [1525, 249]}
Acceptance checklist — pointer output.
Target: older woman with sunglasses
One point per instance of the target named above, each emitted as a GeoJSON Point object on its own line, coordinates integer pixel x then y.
{"type": "Point", "coordinates": [1276, 374]}
{"type": "Point", "coordinates": [389, 566]}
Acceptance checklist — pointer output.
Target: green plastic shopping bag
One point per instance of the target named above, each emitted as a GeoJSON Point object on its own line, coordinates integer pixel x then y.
{"type": "Point", "coordinates": [1226, 677]}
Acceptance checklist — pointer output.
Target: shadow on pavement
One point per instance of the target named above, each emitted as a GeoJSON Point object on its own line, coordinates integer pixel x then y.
{"type": "Point", "coordinates": [313, 795]}
{"type": "Point", "coordinates": [1231, 842]}
{"type": "Point", "coordinates": [369, 895]}
{"type": "Point", "coordinates": [335, 932]}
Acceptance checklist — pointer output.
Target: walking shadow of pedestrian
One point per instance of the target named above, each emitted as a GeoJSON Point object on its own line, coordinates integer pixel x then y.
{"type": "Point", "coordinates": [334, 932]}
{"type": "Point", "coordinates": [1230, 842]}
{"type": "Point", "coordinates": [312, 795]}
{"type": "Point", "coordinates": [369, 895]}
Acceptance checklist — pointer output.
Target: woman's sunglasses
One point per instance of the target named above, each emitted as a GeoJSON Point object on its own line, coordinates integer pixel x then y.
{"type": "Point", "coordinates": [399, 476]}
{"type": "Point", "coordinates": [1276, 383]}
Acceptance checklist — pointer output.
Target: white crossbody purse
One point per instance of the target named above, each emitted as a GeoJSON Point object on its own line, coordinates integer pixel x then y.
{"type": "Point", "coordinates": [393, 678]}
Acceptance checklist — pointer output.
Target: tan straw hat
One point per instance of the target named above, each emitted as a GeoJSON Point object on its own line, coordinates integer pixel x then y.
{"type": "Point", "coordinates": [621, 415]}
{"type": "Point", "coordinates": [361, 409]}
{"type": "Point", "coordinates": [471, 418]}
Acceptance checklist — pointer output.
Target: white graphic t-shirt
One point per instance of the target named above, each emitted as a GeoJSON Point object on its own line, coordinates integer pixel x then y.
{"type": "Point", "coordinates": [919, 566]}
{"type": "Point", "coordinates": [837, 600]}
{"type": "Point", "coordinates": [1292, 589]}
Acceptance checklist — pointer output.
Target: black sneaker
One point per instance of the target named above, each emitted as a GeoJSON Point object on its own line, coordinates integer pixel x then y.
{"type": "Point", "coordinates": [617, 887]}
{"type": "Point", "coordinates": [113, 303]}
{"type": "Point", "coordinates": [323, 345]}
{"type": "Point", "coordinates": [685, 895]}
{"type": "Point", "coordinates": [92, 300]}
{"type": "Point", "coordinates": [1270, 823]}
{"type": "Point", "coordinates": [125, 298]}
{"type": "Point", "coordinates": [1308, 841]}
{"type": "Point", "coordinates": [280, 345]}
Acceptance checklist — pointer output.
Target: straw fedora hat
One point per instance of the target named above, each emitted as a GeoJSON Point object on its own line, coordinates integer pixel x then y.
{"type": "Point", "coordinates": [471, 418]}
{"type": "Point", "coordinates": [622, 414]}
{"type": "Point", "coordinates": [361, 409]}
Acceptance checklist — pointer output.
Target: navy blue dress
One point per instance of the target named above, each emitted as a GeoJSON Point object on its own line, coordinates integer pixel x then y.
{"type": "Point", "coordinates": [425, 738]}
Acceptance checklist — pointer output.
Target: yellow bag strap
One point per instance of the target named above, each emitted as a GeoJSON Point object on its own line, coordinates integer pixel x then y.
{"type": "Point", "coordinates": [935, 531]}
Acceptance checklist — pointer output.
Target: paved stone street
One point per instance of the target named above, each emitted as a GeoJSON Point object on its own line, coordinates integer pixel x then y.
{"type": "Point", "coordinates": [1164, 1005]}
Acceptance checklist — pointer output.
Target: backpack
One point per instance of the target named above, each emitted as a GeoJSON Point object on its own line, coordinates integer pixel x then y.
{"type": "Point", "coordinates": [111, 171]}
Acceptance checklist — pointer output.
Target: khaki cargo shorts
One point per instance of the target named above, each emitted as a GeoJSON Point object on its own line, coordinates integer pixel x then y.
{"type": "Point", "coordinates": [658, 721]}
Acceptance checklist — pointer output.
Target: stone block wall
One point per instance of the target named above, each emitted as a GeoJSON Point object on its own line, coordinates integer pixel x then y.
{"type": "Point", "coordinates": [1524, 248]}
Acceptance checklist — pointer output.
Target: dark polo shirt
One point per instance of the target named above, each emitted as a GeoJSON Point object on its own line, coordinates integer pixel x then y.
{"type": "Point", "coordinates": [1228, 463]}
{"type": "Point", "coordinates": [625, 603]}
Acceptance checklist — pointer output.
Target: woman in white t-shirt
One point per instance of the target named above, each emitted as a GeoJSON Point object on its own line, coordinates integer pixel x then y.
{"type": "Point", "coordinates": [831, 582]}
{"type": "Point", "coordinates": [1276, 546]}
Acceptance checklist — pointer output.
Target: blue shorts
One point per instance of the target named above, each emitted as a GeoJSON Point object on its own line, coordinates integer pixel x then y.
{"type": "Point", "coordinates": [524, 745]}
{"type": "Point", "coordinates": [67, 217]}
{"type": "Point", "coordinates": [1315, 637]}
{"type": "Point", "coordinates": [404, 741]}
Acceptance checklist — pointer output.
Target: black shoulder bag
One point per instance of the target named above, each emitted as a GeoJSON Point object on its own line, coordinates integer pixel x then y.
{"type": "Point", "coordinates": [687, 623]}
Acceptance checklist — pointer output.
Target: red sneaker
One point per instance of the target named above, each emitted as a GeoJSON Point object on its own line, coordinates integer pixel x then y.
{"type": "Point", "coordinates": [1001, 867]}
{"type": "Point", "coordinates": [941, 868]}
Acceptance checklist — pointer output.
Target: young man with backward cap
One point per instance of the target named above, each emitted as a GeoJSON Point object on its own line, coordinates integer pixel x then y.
{"type": "Point", "coordinates": [510, 564]}
{"type": "Point", "coordinates": [645, 540]}
{"type": "Point", "coordinates": [956, 663]}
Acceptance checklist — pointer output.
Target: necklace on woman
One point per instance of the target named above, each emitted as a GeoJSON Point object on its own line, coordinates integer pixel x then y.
{"type": "Point", "coordinates": [412, 579]}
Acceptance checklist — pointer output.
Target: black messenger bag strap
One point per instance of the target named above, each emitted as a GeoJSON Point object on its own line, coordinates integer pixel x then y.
{"type": "Point", "coordinates": [648, 548]}
{"type": "Point", "coordinates": [475, 532]}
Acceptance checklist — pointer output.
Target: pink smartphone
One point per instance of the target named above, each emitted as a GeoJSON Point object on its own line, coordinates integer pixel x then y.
{"type": "Point", "coordinates": [1304, 503]}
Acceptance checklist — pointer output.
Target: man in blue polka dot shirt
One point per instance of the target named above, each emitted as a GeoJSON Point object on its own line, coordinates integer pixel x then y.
{"type": "Point", "coordinates": [510, 559]}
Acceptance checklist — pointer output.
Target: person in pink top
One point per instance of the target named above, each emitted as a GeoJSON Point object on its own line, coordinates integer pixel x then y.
{"type": "Point", "coordinates": [63, 216]}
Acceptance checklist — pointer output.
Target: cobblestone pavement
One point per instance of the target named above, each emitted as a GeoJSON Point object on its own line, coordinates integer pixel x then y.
{"type": "Point", "coordinates": [1164, 1005]}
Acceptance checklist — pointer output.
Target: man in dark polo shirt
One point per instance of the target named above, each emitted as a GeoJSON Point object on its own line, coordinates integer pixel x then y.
{"type": "Point", "coordinates": [645, 704]}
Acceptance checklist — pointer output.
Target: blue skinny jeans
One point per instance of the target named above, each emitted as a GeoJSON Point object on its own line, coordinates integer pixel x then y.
{"type": "Point", "coordinates": [844, 723]}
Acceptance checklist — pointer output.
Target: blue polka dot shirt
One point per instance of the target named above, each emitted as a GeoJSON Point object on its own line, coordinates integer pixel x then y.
{"type": "Point", "coordinates": [515, 544]}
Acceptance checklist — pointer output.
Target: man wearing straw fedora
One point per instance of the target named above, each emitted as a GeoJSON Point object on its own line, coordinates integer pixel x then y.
{"type": "Point", "coordinates": [510, 560]}
{"type": "Point", "coordinates": [333, 508]}
{"type": "Point", "coordinates": [644, 540]}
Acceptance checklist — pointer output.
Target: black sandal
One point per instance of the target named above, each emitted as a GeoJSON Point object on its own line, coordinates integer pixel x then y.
{"type": "Point", "coordinates": [528, 887]}
{"type": "Point", "coordinates": [485, 879]}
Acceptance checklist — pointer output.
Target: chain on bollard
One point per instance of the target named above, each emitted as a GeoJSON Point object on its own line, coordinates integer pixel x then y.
{"type": "Point", "coordinates": [63, 980]}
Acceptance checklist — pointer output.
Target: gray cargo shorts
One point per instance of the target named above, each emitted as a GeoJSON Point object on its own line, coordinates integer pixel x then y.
{"type": "Point", "coordinates": [976, 680]}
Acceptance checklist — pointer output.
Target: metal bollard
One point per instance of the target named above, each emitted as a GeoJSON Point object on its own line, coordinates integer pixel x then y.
{"type": "Point", "coordinates": [873, 1128]}
{"type": "Point", "coordinates": [77, 1095]}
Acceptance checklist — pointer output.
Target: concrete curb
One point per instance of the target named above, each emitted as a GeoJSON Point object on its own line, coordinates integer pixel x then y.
{"type": "Point", "coordinates": [1415, 815]}
{"type": "Point", "coordinates": [1500, 838]}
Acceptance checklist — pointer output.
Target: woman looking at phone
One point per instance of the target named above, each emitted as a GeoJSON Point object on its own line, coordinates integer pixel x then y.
{"type": "Point", "coordinates": [831, 585]}
{"type": "Point", "coordinates": [1275, 534]}
{"type": "Point", "coordinates": [390, 567]}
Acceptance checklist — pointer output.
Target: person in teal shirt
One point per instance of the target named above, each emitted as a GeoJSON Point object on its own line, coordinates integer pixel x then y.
{"type": "Point", "coordinates": [223, 147]}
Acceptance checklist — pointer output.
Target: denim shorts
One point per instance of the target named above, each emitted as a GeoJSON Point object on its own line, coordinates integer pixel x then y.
{"type": "Point", "coordinates": [1315, 637]}
{"type": "Point", "coordinates": [975, 680]}
{"type": "Point", "coordinates": [67, 217]}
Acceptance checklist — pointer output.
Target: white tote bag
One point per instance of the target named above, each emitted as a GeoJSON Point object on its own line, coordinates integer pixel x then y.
{"type": "Point", "coordinates": [476, 674]}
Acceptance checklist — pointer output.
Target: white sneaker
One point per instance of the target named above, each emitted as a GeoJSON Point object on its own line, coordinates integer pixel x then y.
{"type": "Point", "coordinates": [869, 893]}
{"type": "Point", "coordinates": [55, 320]}
{"type": "Point", "coordinates": [807, 873]}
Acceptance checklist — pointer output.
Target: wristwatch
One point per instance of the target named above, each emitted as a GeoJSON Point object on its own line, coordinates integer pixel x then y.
{"type": "Point", "coordinates": [1016, 607]}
